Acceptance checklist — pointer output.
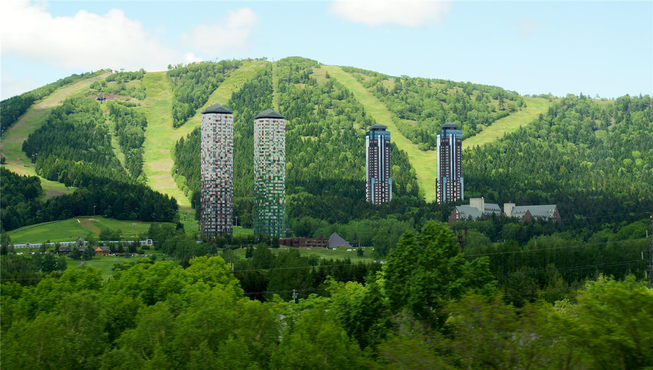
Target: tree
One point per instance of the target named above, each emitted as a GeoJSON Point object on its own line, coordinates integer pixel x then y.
{"type": "Point", "coordinates": [316, 342]}
{"type": "Point", "coordinates": [89, 252]}
{"type": "Point", "coordinates": [427, 270]}
{"type": "Point", "coordinates": [613, 322]}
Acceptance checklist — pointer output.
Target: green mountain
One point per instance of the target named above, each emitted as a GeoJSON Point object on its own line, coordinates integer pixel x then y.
{"type": "Point", "coordinates": [593, 158]}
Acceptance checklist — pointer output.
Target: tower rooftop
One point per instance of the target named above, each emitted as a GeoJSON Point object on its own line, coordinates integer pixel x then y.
{"type": "Point", "coordinates": [378, 127]}
{"type": "Point", "coordinates": [450, 125]}
{"type": "Point", "coordinates": [217, 108]}
{"type": "Point", "coordinates": [269, 113]}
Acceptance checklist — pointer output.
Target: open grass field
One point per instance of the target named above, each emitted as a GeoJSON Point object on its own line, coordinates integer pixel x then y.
{"type": "Point", "coordinates": [422, 161]}
{"type": "Point", "coordinates": [72, 228]}
{"type": "Point", "coordinates": [506, 125]}
{"type": "Point", "coordinates": [12, 142]}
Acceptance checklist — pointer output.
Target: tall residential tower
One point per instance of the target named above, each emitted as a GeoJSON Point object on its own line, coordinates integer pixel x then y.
{"type": "Point", "coordinates": [377, 165]}
{"type": "Point", "coordinates": [269, 174]}
{"type": "Point", "coordinates": [449, 184]}
{"type": "Point", "coordinates": [217, 171]}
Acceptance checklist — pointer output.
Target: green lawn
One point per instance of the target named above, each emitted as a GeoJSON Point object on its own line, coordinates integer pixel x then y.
{"type": "Point", "coordinates": [506, 125]}
{"type": "Point", "coordinates": [12, 142]}
{"type": "Point", "coordinates": [103, 263]}
{"type": "Point", "coordinates": [422, 161]}
{"type": "Point", "coordinates": [71, 229]}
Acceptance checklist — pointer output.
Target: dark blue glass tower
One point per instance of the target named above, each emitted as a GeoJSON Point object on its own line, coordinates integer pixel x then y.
{"type": "Point", "coordinates": [449, 184]}
{"type": "Point", "coordinates": [377, 165]}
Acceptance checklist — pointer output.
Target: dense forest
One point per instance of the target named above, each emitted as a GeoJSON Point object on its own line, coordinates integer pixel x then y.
{"type": "Point", "coordinates": [129, 126]}
{"type": "Point", "coordinates": [75, 132]}
{"type": "Point", "coordinates": [22, 204]}
{"type": "Point", "coordinates": [193, 84]}
{"type": "Point", "coordinates": [429, 306]}
{"type": "Point", "coordinates": [420, 105]}
{"type": "Point", "coordinates": [594, 160]}
{"type": "Point", "coordinates": [14, 107]}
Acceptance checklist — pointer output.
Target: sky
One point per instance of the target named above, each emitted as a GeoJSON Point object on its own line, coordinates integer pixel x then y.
{"type": "Point", "coordinates": [598, 48]}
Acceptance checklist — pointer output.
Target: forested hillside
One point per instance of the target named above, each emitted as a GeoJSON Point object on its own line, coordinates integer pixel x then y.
{"type": "Point", "coordinates": [594, 160]}
{"type": "Point", "coordinates": [325, 141]}
{"type": "Point", "coordinates": [591, 158]}
{"type": "Point", "coordinates": [74, 145]}
{"type": "Point", "coordinates": [192, 85]}
{"type": "Point", "coordinates": [420, 106]}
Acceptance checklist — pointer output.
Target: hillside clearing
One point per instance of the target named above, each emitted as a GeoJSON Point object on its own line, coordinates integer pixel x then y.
{"type": "Point", "coordinates": [72, 228]}
{"type": "Point", "coordinates": [506, 125]}
{"type": "Point", "coordinates": [422, 161]}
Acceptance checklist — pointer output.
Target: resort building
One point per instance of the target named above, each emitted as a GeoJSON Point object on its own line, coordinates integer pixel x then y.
{"type": "Point", "coordinates": [217, 169]}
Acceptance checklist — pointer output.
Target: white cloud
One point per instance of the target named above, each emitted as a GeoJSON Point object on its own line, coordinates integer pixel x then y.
{"type": "Point", "coordinates": [233, 32]}
{"type": "Point", "coordinates": [85, 40]}
{"type": "Point", "coordinates": [410, 13]}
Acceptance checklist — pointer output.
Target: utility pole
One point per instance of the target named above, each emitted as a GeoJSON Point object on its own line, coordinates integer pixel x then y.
{"type": "Point", "coordinates": [294, 295]}
{"type": "Point", "coordinates": [460, 237]}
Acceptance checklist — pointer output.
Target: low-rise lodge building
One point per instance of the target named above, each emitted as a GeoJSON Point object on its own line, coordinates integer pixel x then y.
{"type": "Point", "coordinates": [477, 209]}
{"type": "Point", "coordinates": [304, 242]}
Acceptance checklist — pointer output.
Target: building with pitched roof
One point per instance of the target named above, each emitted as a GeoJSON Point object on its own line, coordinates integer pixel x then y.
{"type": "Point", "coordinates": [217, 169]}
{"type": "Point", "coordinates": [269, 174]}
{"type": "Point", "coordinates": [546, 212]}
{"type": "Point", "coordinates": [336, 240]}
{"type": "Point", "coordinates": [476, 209]}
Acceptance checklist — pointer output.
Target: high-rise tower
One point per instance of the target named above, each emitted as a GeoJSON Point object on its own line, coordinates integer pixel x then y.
{"type": "Point", "coordinates": [377, 165]}
{"type": "Point", "coordinates": [269, 174]}
{"type": "Point", "coordinates": [217, 170]}
{"type": "Point", "coordinates": [449, 184]}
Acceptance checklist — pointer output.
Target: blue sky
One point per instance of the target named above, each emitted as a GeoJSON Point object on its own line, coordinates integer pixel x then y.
{"type": "Point", "coordinates": [597, 48]}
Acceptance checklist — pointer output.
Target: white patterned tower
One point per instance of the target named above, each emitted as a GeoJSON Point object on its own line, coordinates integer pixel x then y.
{"type": "Point", "coordinates": [217, 161]}
{"type": "Point", "coordinates": [269, 174]}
